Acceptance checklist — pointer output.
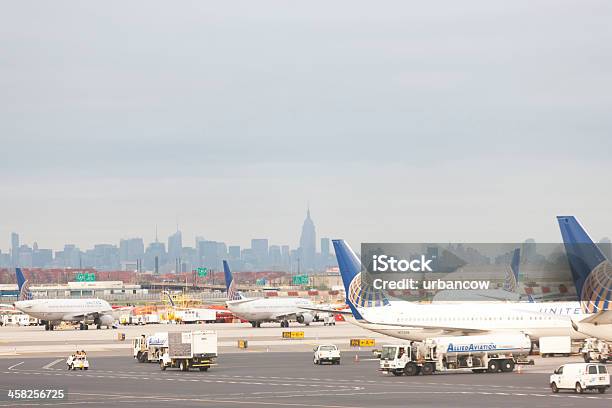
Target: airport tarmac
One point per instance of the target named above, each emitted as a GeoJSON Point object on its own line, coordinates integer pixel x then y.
{"type": "Point", "coordinates": [34, 340]}
{"type": "Point", "coordinates": [271, 372]}
{"type": "Point", "coordinates": [284, 380]}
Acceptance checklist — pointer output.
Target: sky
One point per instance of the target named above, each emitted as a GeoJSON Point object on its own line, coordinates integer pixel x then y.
{"type": "Point", "coordinates": [404, 121]}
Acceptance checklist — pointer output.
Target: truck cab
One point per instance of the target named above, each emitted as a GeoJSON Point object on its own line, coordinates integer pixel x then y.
{"type": "Point", "coordinates": [400, 359]}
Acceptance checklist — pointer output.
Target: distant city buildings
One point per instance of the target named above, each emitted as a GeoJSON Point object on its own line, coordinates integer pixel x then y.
{"type": "Point", "coordinates": [131, 254]}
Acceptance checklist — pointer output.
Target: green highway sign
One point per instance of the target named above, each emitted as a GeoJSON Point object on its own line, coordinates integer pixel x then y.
{"type": "Point", "coordinates": [86, 277]}
{"type": "Point", "coordinates": [300, 280]}
{"type": "Point", "coordinates": [202, 272]}
{"type": "Point", "coordinates": [260, 282]}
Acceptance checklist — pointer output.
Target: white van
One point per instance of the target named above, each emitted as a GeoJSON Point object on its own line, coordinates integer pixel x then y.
{"type": "Point", "coordinates": [580, 377]}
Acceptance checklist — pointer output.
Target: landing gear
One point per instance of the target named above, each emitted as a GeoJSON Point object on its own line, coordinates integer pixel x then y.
{"type": "Point", "coordinates": [83, 326]}
{"type": "Point", "coordinates": [48, 326]}
{"type": "Point", "coordinates": [285, 323]}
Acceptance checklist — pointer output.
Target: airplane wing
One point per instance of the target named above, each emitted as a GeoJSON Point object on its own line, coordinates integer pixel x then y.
{"type": "Point", "coordinates": [91, 315]}
{"type": "Point", "coordinates": [602, 317]}
{"type": "Point", "coordinates": [327, 310]}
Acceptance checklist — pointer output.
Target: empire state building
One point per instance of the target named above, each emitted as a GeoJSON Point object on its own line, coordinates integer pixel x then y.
{"type": "Point", "coordinates": [308, 241]}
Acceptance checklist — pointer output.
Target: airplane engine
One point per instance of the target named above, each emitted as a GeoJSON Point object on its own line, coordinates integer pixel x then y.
{"type": "Point", "coordinates": [305, 318]}
{"type": "Point", "coordinates": [107, 320]}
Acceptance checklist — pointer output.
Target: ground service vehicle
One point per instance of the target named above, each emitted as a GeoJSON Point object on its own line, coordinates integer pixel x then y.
{"type": "Point", "coordinates": [555, 345]}
{"type": "Point", "coordinates": [326, 352]}
{"type": "Point", "coordinates": [79, 361]}
{"type": "Point", "coordinates": [580, 377]}
{"type": "Point", "coordinates": [148, 348]}
{"type": "Point", "coordinates": [329, 320]}
{"type": "Point", "coordinates": [595, 350]}
{"type": "Point", "coordinates": [491, 354]}
{"type": "Point", "coordinates": [185, 350]}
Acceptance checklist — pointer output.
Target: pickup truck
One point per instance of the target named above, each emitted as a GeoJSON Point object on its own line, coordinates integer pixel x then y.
{"type": "Point", "coordinates": [326, 352]}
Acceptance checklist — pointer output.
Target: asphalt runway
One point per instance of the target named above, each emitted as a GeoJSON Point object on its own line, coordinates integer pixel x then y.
{"type": "Point", "coordinates": [282, 379]}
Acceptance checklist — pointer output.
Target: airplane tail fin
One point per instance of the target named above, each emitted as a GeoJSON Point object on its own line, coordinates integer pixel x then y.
{"type": "Point", "coordinates": [357, 295]}
{"type": "Point", "coordinates": [230, 283]}
{"type": "Point", "coordinates": [512, 276]}
{"type": "Point", "coordinates": [23, 285]}
{"type": "Point", "coordinates": [591, 271]}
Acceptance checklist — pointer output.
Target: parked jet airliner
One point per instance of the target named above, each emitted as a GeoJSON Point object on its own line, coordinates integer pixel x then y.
{"type": "Point", "coordinates": [591, 271]}
{"type": "Point", "coordinates": [54, 311]}
{"type": "Point", "coordinates": [259, 310]}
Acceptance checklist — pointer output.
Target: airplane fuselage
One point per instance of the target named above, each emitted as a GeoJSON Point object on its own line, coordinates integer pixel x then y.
{"type": "Point", "coordinates": [268, 309]}
{"type": "Point", "coordinates": [63, 309]}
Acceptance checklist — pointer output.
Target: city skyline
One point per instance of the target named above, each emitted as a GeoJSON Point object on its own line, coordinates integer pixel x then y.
{"type": "Point", "coordinates": [173, 255]}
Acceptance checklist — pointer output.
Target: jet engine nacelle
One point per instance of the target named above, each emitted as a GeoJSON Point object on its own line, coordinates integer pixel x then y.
{"type": "Point", "coordinates": [305, 318]}
{"type": "Point", "coordinates": [107, 320]}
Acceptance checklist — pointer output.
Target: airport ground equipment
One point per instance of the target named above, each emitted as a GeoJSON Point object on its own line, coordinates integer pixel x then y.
{"type": "Point", "coordinates": [148, 348]}
{"type": "Point", "coordinates": [555, 345]}
{"type": "Point", "coordinates": [329, 320]}
{"type": "Point", "coordinates": [594, 349]}
{"type": "Point", "coordinates": [580, 377]}
{"type": "Point", "coordinates": [77, 362]}
{"type": "Point", "coordinates": [186, 350]}
{"type": "Point", "coordinates": [326, 353]}
{"type": "Point", "coordinates": [490, 353]}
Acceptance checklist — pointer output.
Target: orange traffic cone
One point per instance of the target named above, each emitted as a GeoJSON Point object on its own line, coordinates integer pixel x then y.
{"type": "Point", "coordinates": [356, 357]}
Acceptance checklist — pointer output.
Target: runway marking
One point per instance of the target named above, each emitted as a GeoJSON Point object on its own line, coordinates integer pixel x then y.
{"type": "Point", "coordinates": [51, 364]}
{"type": "Point", "coordinates": [15, 365]}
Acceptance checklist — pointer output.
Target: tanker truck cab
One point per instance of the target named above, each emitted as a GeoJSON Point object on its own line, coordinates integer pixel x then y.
{"type": "Point", "coordinates": [580, 377]}
{"type": "Point", "coordinates": [399, 359]}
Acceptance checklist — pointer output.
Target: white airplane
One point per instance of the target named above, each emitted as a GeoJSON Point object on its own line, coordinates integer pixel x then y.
{"type": "Point", "coordinates": [259, 310]}
{"type": "Point", "coordinates": [591, 317]}
{"type": "Point", "coordinates": [54, 311]}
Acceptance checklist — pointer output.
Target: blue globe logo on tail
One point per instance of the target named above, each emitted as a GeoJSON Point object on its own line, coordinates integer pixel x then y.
{"type": "Point", "coordinates": [24, 286]}
{"type": "Point", "coordinates": [591, 271]}
{"type": "Point", "coordinates": [596, 293]}
{"type": "Point", "coordinates": [358, 294]}
{"type": "Point", "coordinates": [230, 283]}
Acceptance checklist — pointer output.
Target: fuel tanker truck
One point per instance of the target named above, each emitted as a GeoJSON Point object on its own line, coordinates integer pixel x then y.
{"type": "Point", "coordinates": [487, 353]}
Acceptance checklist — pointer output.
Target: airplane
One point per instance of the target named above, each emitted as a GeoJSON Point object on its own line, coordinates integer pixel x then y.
{"type": "Point", "coordinates": [372, 310]}
{"type": "Point", "coordinates": [259, 310]}
{"type": "Point", "coordinates": [54, 311]}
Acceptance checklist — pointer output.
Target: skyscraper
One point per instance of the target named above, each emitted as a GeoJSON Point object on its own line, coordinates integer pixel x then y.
{"type": "Point", "coordinates": [308, 241]}
{"type": "Point", "coordinates": [131, 249]}
{"type": "Point", "coordinates": [15, 248]}
{"type": "Point", "coordinates": [260, 251]}
{"type": "Point", "coordinates": [175, 246]}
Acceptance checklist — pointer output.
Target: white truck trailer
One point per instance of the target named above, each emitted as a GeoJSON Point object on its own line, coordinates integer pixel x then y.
{"type": "Point", "coordinates": [490, 353]}
{"type": "Point", "coordinates": [555, 345]}
{"type": "Point", "coordinates": [197, 349]}
{"type": "Point", "coordinates": [192, 316]}
{"type": "Point", "coordinates": [148, 349]}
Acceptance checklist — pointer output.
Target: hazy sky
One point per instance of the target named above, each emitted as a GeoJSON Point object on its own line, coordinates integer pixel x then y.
{"type": "Point", "coordinates": [473, 121]}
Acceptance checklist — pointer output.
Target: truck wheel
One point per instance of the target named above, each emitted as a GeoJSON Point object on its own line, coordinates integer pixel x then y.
{"type": "Point", "coordinates": [427, 369]}
{"type": "Point", "coordinates": [508, 366]}
{"type": "Point", "coordinates": [554, 388]}
{"type": "Point", "coordinates": [203, 368]}
{"type": "Point", "coordinates": [586, 357]}
{"type": "Point", "coordinates": [254, 324]}
{"type": "Point", "coordinates": [162, 366]}
{"type": "Point", "coordinates": [578, 388]}
{"type": "Point", "coordinates": [602, 390]}
{"type": "Point", "coordinates": [493, 367]}
{"type": "Point", "coordinates": [411, 369]}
